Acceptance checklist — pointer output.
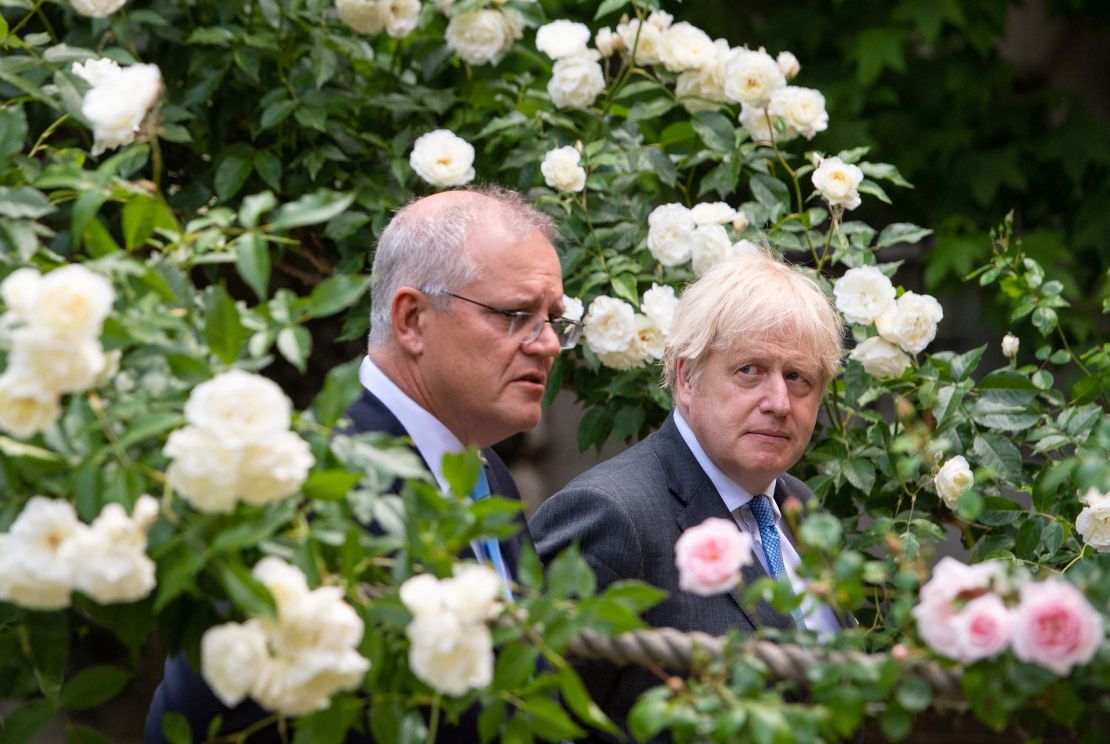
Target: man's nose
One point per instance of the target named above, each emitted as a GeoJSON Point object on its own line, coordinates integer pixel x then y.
{"type": "Point", "coordinates": [776, 397]}
{"type": "Point", "coordinates": [546, 344]}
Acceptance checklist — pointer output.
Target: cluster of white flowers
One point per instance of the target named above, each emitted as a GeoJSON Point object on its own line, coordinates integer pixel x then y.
{"type": "Point", "coordinates": [96, 8]}
{"type": "Point", "coordinates": [397, 17]}
{"type": "Point", "coordinates": [838, 182]}
{"type": "Point", "coordinates": [452, 649]}
{"type": "Point", "coordinates": [1093, 522]}
{"type": "Point", "coordinates": [562, 169]}
{"type": "Point", "coordinates": [52, 326]}
{"type": "Point", "coordinates": [237, 445]}
{"type": "Point", "coordinates": [953, 480]}
{"type": "Point", "coordinates": [976, 612]}
{"type": "Point", "coordinates": [292, 664]}
{"type": "Point", "coordinates": [118, 100]}
{"type": "Point", "coordinates": [624, 339]}
{"type": "Point", "coordinates": [49, 553]}
{"type": "Point", "coordinates": [481, 36]}
{"type": "Point", "coordinates": [677, 235]}
{"type": "Point", "coordinates": [864, 295]}
{"type": "Point", "coordinates": [443, 159]}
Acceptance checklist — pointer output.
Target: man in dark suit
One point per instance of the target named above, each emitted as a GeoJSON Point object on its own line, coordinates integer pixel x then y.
{"type": "Point", "coordinates": [753, 346]}
{"type": "Point", "coordinates": [466, 320]}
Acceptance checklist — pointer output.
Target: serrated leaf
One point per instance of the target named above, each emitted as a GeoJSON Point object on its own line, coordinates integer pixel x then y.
{"type": "Point", "coordinates": [24, 201]}
{"type": "Point", "coordinates": [276, 113]}
{"type": "Point", "coordinates": [252, 260]}
{"type": "Point", "coordinates": [715, 130]}
{"type": "Point", "coordinates": [996, 452]}
{"type": "Point", "coordinates": [310, 209]}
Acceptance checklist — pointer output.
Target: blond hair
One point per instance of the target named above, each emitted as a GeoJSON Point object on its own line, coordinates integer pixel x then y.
{"type": "Point", "coordinates": [748, 300]}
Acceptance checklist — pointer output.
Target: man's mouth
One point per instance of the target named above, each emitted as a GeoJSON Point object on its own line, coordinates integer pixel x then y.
{"type": "Point", "coordinates": [534, 378]}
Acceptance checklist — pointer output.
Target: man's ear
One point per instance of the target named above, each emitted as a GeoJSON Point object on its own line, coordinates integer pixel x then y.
{"type": "Point", "coordinates": [408, 312]}
{"type": "Point", "coordinates": [682, 385]}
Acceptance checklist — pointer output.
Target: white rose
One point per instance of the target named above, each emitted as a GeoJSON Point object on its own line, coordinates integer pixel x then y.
{"type": "Point", "coordinates": [751, 77]}
{"type": "Point", "coordinates": [286, 583]}
{"type": "Point", "coordinates": [562, 170]}
{"type": "Point", "coordinates": [118, 104]}
{"type": "Point", "coordinates": [401, 17]}
{"type": "Point", "coordinates": [472, 593]}
{"type": "Point", "coordinates": [274, 470]}
{"type": "Point", "coordinates": [96, 8]}
{"type": "Point", "coordinates": [72, 301]}
{"type": "Point", "coordinates": [863, 294]}
{"type": "Point", "coordinates": [19, 292]}
{"type": "Point", "coordinates": [576, 81]}
{"type": "Point", "coordinates": [803, 109]}
{"type": "Point", "coordinates": [670, 227]}
{"type": "Point", "coordinates": [572, 308]}
{"type": "Point", "coordinates": [239, 408]}
{"type": "Point", "coordinates": [33, 571]}
{"type": "Point", "coordinates": [643, 38]}
{"type": "Point", "coordinates": [608, 42]}
{"type": "Point", "coordinates": [838, 182]}
{"type": "Point", "coordinates": [712, 213]}
{"type": "Point", "coordinates": [421, 595]}
{"type": "Point", "coordinates": [444, 5]}
{"type": "Point", "coordinates": [911, 322]}
{"type": "Point", "coordinates": [443, 159]}
{"type": "Point", "coordinates": [57, 364]}
{"type": "Point", "coordinates": [953, 480]}
{"type": "Point", "coordinates": [231, 656]}
{"type": "Point", "coordinates": [758, 123]}
{"type": "Point", "coordinates": [659, 304]}
{"type": "Point", "coordinates": [480, 36]}
{"type": "Point", "coordinates": [880, 358]}
{"type": "Point", "coordinates": [740, 221]}
{"type": "Point", "coordinates": [364, 16]}
{"type": "Point", "coordinates": [650, 339]}
{"type": "Point", "coordinates": [94, 71]}
{"type": "Point", "coordinates": [660, 19]}
{"type": "Point", "coordinates": [610, 325]}
{"type": "Point", "coordinates": [1093, 522]}
{"type": "Point", "coordinates": [109, 560]}
{"type": "Point", "coordinates": [686, 47]}
{"type": "Point", "coordinates": [319, 621]}
{"type": "Point", "coordinates": [297, 685]}
{"type": "Point", "coordinates": [788, 64]}
{"type": "Point", "coordinates": [562, 38]}
{"type": "Point", "coordinates": [204, 470]}
{"type": "Point", "coordinates": [26, 409]}
{"type": "Point", "coordinates": [703, 89]}
{"type": "Point", "coordinates": [1010, 344]}
{"type": "Point", "coordinates": [709, 245]}
{"type": "Point", "coordinates": [452, 664]}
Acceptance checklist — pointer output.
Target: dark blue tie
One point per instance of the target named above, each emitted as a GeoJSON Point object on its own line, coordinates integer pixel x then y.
{"type": "Point", "coordinates": [489, 550]}
{"type": "Point", "coordinates": [772, 548]}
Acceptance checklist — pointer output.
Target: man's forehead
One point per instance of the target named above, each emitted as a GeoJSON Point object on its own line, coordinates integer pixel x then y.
{"type": "Point", "coordinates": [791, 348]}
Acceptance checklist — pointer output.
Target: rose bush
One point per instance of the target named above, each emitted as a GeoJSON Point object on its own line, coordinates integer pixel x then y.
{"type": "Point", "coordinates": [191, 204]}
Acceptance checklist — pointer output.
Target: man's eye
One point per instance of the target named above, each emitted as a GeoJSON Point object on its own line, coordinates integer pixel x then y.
{"type": "Point", "coordinates": [748, 369]}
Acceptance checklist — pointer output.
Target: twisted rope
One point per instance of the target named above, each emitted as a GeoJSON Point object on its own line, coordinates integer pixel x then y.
{"type": "Point", "coordinates": [675, 651]}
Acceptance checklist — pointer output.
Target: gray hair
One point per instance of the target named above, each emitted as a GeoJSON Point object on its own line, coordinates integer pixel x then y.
{"type": "Point", "coordinates": [423, 246]}
{"type": "Point", "coordinates": [747, 300]}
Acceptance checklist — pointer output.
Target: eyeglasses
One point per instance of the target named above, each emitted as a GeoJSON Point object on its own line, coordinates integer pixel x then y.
{"type": "Point", "coordinates": [529, 326]}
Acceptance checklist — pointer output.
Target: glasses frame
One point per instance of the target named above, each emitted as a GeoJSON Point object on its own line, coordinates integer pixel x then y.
{"type": "Point", "coordinates": [520, 318]}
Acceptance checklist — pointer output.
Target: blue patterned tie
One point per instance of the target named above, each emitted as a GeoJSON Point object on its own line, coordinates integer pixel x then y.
{"type": "Point", "coordinates": [489, 550]}
{"type": "Point", "coordinates": [772, 549]}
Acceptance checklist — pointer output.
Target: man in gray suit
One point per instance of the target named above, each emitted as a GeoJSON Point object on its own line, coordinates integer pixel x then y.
{"type": "Point", "coordinates": [753, 347]}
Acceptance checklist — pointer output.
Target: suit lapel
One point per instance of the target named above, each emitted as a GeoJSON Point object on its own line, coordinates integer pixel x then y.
{"type": "Point", "coordinates": [692, 487]}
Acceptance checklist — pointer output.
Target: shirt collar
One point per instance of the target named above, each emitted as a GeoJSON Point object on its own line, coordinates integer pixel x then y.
{"type": "Point", "coordinates": [430, 437]}
{"type": "Point", "coordinates": [732, 493]}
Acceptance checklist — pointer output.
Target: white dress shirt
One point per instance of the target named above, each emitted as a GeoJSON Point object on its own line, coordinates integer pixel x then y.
{"type": "Point", "coordinates": [817, 615]}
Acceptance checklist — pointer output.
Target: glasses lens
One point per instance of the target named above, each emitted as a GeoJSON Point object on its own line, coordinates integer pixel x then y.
{"type": "Point", "coordinates": [567, 331]}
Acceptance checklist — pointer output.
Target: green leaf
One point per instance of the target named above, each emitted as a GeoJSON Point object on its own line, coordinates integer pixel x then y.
{"type": "Point", "coordinates": [93, 686]}
{"type": "Point", "coordinates": [515, 664]}
{"type": "Point", "coordinates": [722, 179]}
{"type": "Point", "coordinates": [25, 724]}
{"type": "Point", "coordinates": [770, 191]}
{"type": "Point", "coordinates": [252, 259]}
{"type": "Point", "coordinates": [895, 723]}
{"type": "Point", "coordinates": [256, 530]}
{"type": "Point", "coordinates": [330, 485]}
{"type": "Point", "coordinates": [175, 727]}
{"type": "Point", "coordinates": [329, 726]}
{"type": "Point", "coordinates": [310, 209]}
{"type": "Point", "coordinates": [821, 531]}
{"type": "Point", "coordinates": [874, 50]}
{"type": "Point", "coordinates": [915, 694]}
{"type": "Point", "coordinates": [460, 470]}
{"type": "Point", "coordinates": [868, 186]}
{"type": "Point", "coordinates": [177, 572]}
{"type": "Point", "coordinates": [648, 717]}
{"type": "Point", "coordinates": [24, 201]}
{"type": "Point", "coordinates": [295, 344]}
{"type": "Point", "coordinates": [651, 109]}
{"type": "Point", "coordinates": [334, 294]}
{"type": "Point", "coordinates": [902, 232]}
{"type": "Point", "coordinates": [341, 389]}
{"type": "Point", "coordinates": [141, 216]}
{"type": "Point", "coordinates": [569, 574]}
{"type": "Point", "coordinates": [860, 473]}
{"type": "Point", "coordinates": [715, 130]}
{"type": "Point", "coordinates": [13, 130]}
{"type": "Point", "coordinates": [996, 452]}
{"type": "Point", "coordinates": [576, 698]}
{"type": "Point", "coordinates": [223, 328]}
{"type": "Point", "coordinates": [232, 173]}
{"type": "Point", "coordinates": [276, 113]}
{"type": "Point", "coordinates": [247, 592]}
{"type": "Point", "coordinates": [548, 717]}
{"type": "Point", "coordinates": [609, 6]}
{"type": "Point", "coordinates": [268, 167]}
{"type": "Point", "coordinates": [662, 166]}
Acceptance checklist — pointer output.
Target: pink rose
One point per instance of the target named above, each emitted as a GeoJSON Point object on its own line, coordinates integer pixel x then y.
{"type": "Point", "coordinates": [936, 626]}
{"type": "Point", "coordinates": [983, 628]}
{"type": "Point", "coordinates": [709, 557]}
{"type": "Point", "coordinates": [952, 579]}
{"type": "Point", "coordinates": [1056, 627]}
